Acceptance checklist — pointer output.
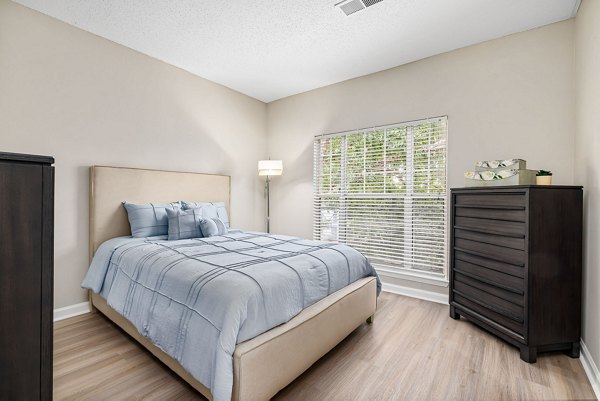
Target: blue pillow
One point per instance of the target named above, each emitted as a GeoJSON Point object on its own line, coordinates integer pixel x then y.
{"type": "Point", "coordinates": [209, 209]}
{"type": "Point", "coordinates": [149, 219]}
{"type": "Point", "coordinates": [184, 224]}
{"type": "Point", "coordinates": [194, 205]}
{"type": "Point", "coordinates": [212, 226]}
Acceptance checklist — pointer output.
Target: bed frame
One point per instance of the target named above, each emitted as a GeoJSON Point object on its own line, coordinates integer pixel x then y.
{"type": "Point", "coordinates": [265, 364]}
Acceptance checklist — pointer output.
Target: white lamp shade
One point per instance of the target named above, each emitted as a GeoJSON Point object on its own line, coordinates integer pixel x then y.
{"type": "Point", "coordinates": [270, 167]}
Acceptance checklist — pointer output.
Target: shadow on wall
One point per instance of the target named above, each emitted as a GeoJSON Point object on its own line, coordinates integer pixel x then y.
{"type": "Point", "coordinates": [299, 170]}
{"type": "Point", "coordinates": [83, 209]}
{"type": "Point", "coordinates": [592, 297]}
{"type": "Point", "coordinates": [291, 197]}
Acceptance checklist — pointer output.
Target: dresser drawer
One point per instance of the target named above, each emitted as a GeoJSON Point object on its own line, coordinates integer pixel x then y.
{"type": "Point", "coordinates": [469, 304]}
{"type": "Point", "coordinates": [490, 289]}
{"type": "Point", "coordinates": [490, 199]}
{"type": "Point", "coordinates": [489, 301]}
{"type": "Point", "coordinates": [489, 251]}
{"type": "Point", "coordinates": [517, 214]}
{"type": "Point", "coordinates": [493, 277]}
{"type": "Point", "coordinates": [496, 239]}
{"type": "Point", "coordinates": [508, 228]}
{"type": "Point", "coordinates": [517, 271]}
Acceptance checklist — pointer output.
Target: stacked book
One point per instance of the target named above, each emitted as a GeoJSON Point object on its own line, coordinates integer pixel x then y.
{"type": "Point", "coordinates": [499, 173]}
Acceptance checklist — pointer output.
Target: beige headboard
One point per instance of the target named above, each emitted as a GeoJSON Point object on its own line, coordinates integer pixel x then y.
{"type": "Point", "coordinates": [110, 186]}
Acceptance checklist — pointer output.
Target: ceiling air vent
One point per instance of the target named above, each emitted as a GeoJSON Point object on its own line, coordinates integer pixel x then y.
{"type": "Point", "coordinates": [352, 6]}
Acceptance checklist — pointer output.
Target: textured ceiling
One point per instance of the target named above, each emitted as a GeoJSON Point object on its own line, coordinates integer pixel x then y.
{"type": "Point", "coordinates": [269, 49]}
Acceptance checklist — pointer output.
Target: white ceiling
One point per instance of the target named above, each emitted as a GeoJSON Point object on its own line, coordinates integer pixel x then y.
{"type": "Point", "coordinates": [269, 49]}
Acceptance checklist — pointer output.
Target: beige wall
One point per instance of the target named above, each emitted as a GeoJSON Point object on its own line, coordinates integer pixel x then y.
{"type": "Point", "coordinates": [587, 153]}
{"type": "Point", "coordinates": [510, 97]}
{"type": "Point", "coordinates": [85, 100]}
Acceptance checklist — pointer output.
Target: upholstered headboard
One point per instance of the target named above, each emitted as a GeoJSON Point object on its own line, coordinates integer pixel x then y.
{"type": "Point", "coordinates": [110, 186]}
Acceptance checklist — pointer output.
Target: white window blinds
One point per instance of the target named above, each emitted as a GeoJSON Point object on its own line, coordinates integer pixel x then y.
{"type": "Point", "coordinates": [383, 191]}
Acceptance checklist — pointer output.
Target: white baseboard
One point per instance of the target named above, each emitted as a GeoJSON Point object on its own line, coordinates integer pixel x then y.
{"type": "Point", "coordinates": [71, 311]}
{"type": "Point", "coordinates": [415, 293]}
{"type": "Point", "coordinates": [590, 368]}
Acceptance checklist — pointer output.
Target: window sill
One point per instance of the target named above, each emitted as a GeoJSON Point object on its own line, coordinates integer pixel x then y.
{"type": "Point", "coordinates": [420, 277]}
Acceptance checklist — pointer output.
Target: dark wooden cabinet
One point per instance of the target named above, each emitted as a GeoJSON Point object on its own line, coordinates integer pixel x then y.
{"type": "Point", "coordinates": [26, 276]}
{"type": "Point", "coordinates": [515, 264]}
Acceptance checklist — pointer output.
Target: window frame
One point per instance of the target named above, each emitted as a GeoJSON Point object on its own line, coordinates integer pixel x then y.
{"type": "Point", "coordinates": [434, 278]}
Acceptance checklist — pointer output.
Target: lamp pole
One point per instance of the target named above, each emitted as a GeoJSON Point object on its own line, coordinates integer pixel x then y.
{"type": "Point", "coordinates": [268, 168]}
{"type": "Point", "coordinates": [268, 205]}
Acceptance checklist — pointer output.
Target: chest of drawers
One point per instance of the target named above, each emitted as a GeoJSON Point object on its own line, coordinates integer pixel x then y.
{"type": "Point", "coordinates": [515, 264]}
{"type": "Point", "coordinates": [26, 276]}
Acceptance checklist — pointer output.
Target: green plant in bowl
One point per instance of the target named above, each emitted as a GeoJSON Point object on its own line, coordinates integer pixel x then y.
{"type": "Point", "coordinates": [542, 173]}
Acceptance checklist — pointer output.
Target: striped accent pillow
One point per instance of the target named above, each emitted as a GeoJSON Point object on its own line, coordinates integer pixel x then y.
{"type": "Point", "coordinates": [209, 209]}
{"type": "Point", "coordinates": [184, 224]}
{"type": "Point", "coordinates": [149, 219]}
{"type": "Point", "coordinates": [212, 226]}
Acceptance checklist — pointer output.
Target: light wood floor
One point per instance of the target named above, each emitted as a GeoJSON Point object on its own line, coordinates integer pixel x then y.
{"type": "Point", "coordinates": [413, 351]}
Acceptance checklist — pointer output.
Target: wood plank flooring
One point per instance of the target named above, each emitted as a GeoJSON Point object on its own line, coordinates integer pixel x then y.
{"type": "Point", "coordinates": [413, 351]}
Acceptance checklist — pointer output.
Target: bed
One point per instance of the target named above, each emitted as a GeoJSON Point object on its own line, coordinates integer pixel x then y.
{"type": "Point", "coordinates": [263, 364]}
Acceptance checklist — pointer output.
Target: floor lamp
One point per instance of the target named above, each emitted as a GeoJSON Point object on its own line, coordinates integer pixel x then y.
{"type": "Point", "coordinates": [269, 168]}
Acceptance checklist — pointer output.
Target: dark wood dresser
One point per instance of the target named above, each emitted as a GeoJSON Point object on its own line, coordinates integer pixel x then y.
{"type": "Point", "coordinates": [26, 278]}
{"type": "Point", "coordinates": [515, 264]}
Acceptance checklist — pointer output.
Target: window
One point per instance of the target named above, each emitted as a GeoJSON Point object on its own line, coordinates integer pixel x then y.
{"type": "Point", "coordinates": [383, 191]}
